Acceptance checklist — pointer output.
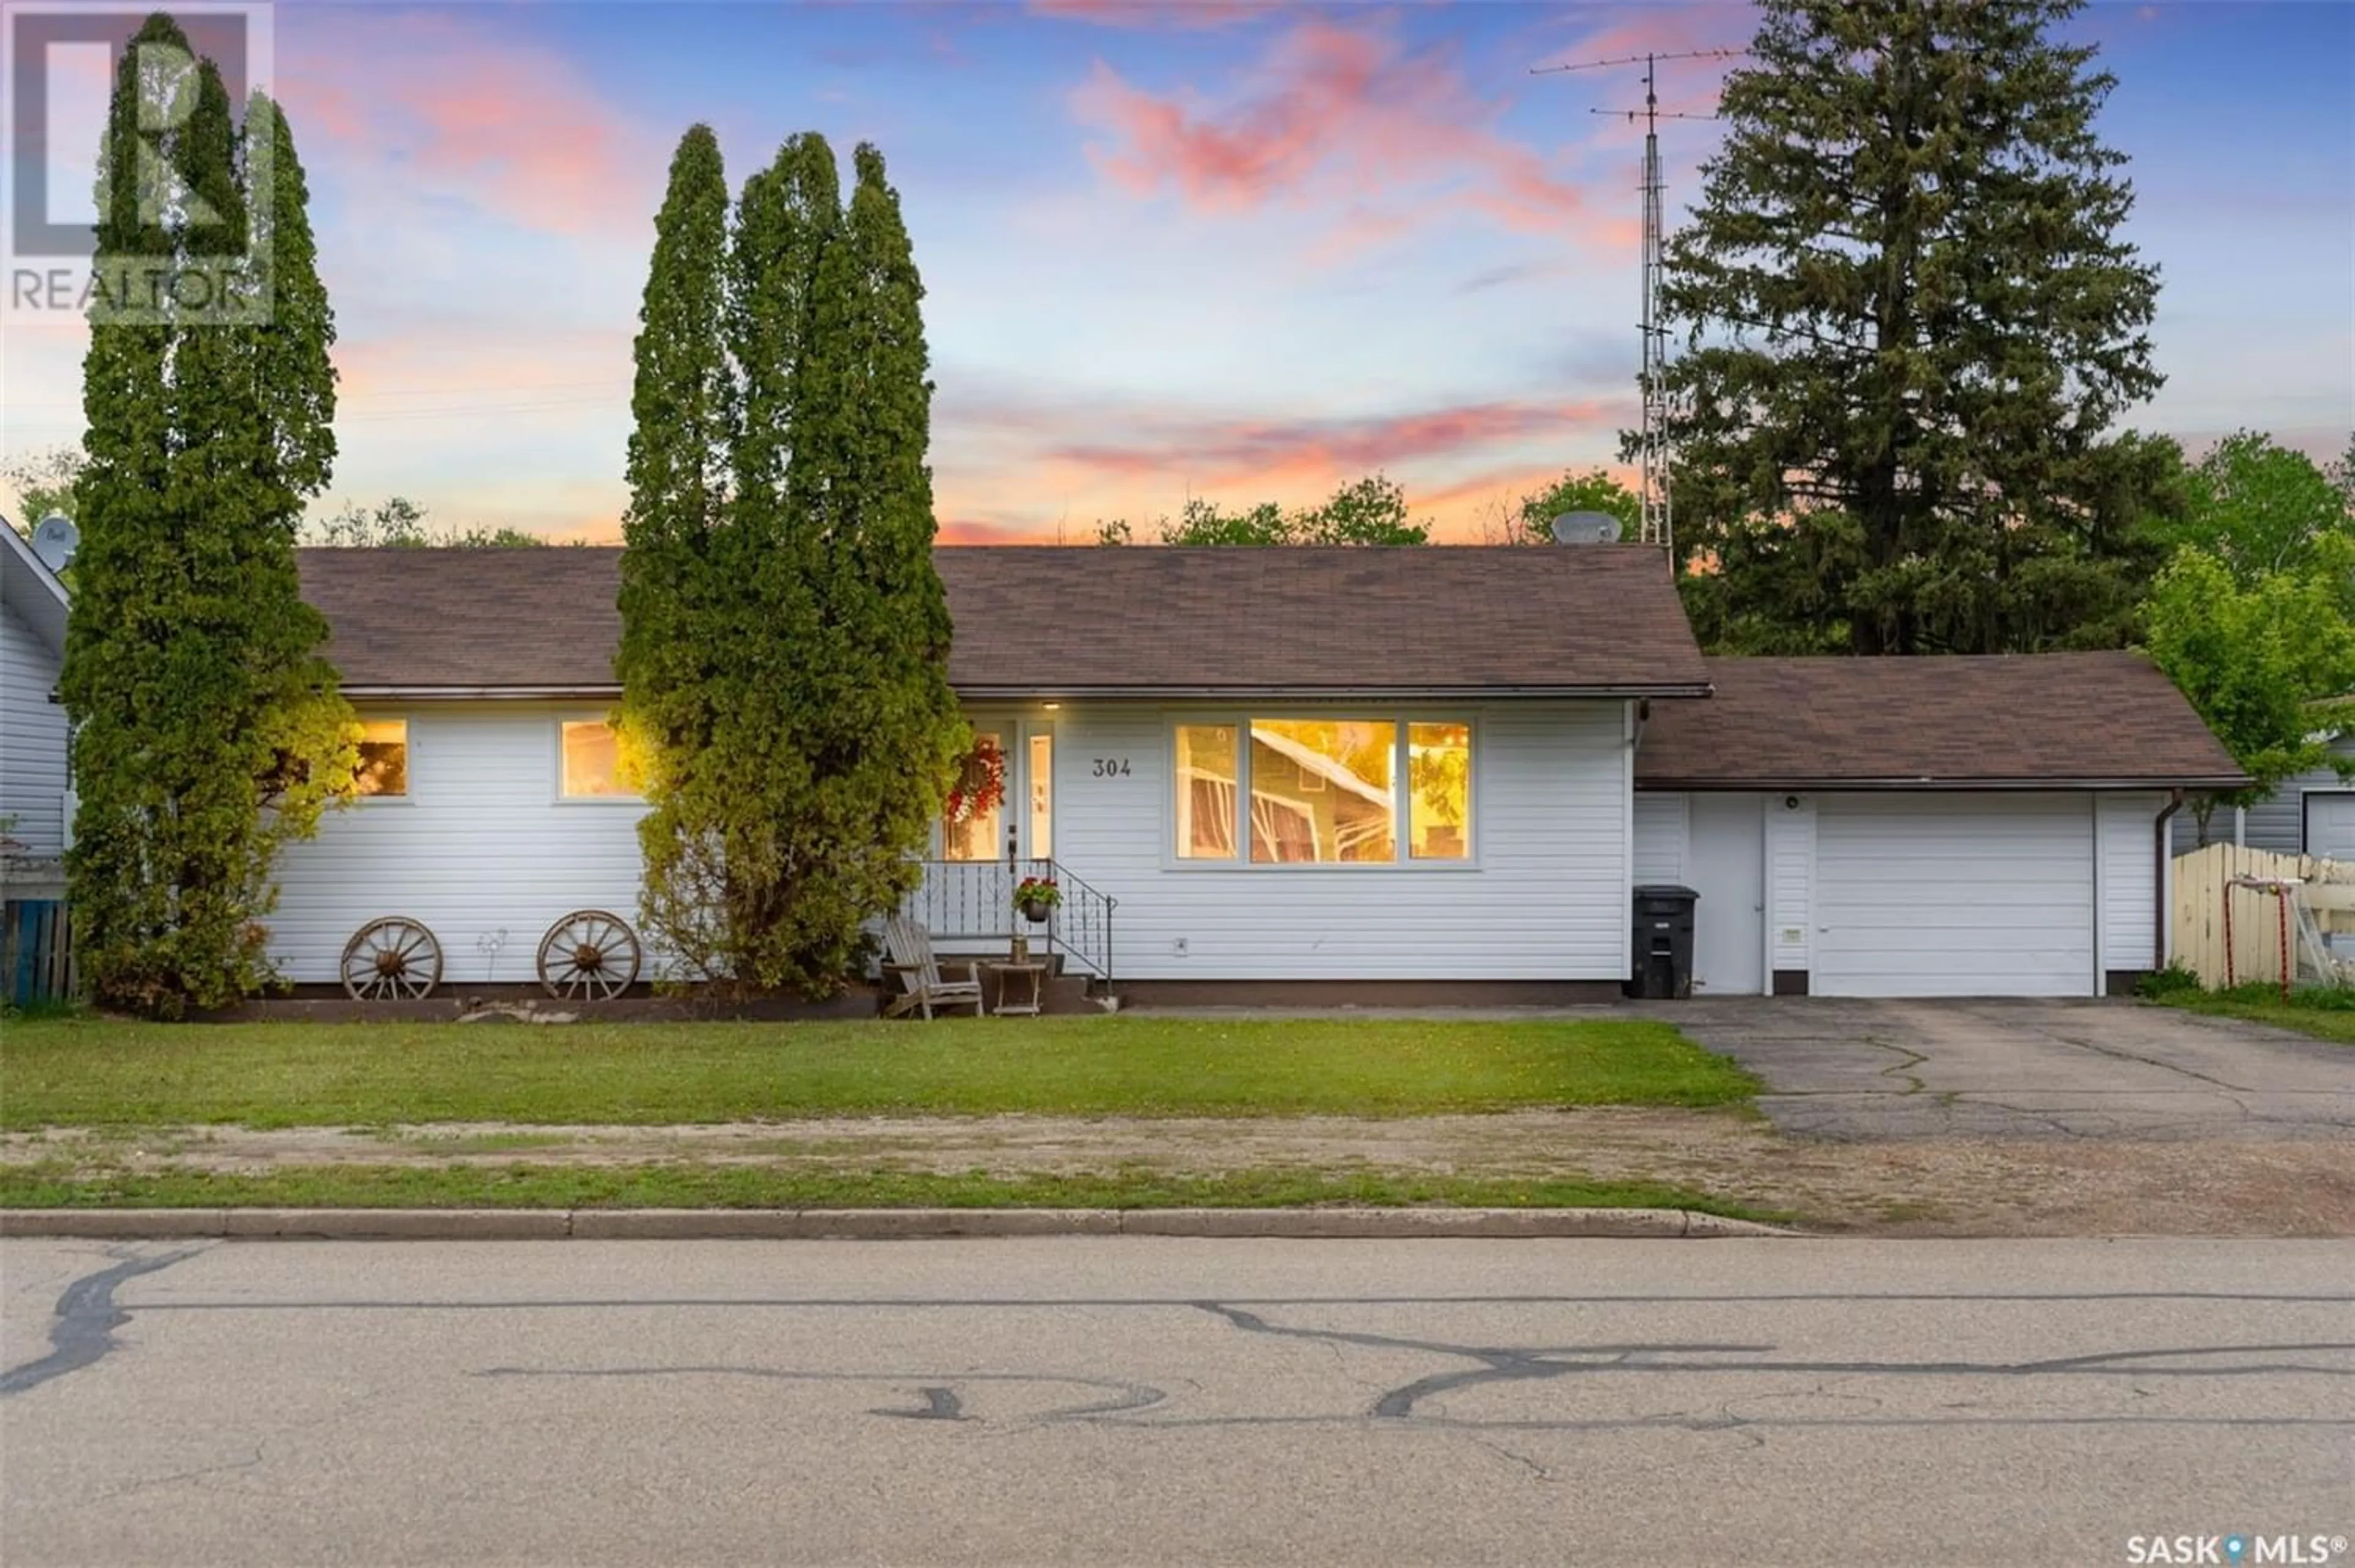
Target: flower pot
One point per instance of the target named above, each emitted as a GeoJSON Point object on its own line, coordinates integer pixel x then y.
{"type": "Point", "coordinates": [1035, 911]}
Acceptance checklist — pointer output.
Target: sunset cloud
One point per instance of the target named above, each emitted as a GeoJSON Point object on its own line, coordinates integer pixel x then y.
{"type": "Point", "coordinates": [510, 128]}
{"type": "Point", "coordinates": [1278, 451]}
{"type": "Point", "coordinates": [1032, 463]}
{"type": "Point", "coordinates": [1340, 115]}
{"type": "Point", "coordinates": [1185, 15]}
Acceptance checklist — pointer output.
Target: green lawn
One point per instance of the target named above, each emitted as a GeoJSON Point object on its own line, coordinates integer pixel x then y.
{"type": "Point", "coordinates": [103, 1073]}
{"type": "Point", "coordinates": [2325, 1015]}
{"type": "Point", "coordinates": [688, 1185]}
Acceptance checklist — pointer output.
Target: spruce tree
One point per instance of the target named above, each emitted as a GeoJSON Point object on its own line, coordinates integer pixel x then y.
{"type": "Point", "coordinates": [206, 726]}
{"type": "Point", "coordinates": [1910, 321]}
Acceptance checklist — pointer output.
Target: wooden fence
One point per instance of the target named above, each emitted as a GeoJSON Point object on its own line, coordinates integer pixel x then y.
{"type": "Point", "coordinates": [2207, 902]}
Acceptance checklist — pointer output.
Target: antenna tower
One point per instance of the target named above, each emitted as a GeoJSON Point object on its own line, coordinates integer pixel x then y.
{"type": "Point", "coordinates": [1652, 452]}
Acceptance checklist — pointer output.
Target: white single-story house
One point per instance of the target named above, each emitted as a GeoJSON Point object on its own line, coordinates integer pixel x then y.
{"type": "Point", "coordinates": [33, 783]}
{"type": "Point", "coordinates": [1362, 773]}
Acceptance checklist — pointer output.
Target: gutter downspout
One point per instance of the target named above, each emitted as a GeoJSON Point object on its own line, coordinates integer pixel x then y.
{"type": "Point", "coordinates": [2160, 860]}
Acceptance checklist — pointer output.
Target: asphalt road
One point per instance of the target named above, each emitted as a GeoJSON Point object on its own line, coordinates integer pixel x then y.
{"type": "Point", "coordinates": [1140, 1401]}
{"type": "Point", "coordinates": [1861, 1070]}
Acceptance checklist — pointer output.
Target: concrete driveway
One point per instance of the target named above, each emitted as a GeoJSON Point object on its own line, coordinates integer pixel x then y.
{"type": "Point", "coordinates": [1859, 1069]}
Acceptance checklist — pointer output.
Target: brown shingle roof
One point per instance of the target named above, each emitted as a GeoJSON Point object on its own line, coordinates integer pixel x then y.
{"type": "Point", "coordinates": [468, 619]}
{"type": "Point", "coordinates": [1077, 620]}
{"type": "Point", "coordinates": [2031, 719]}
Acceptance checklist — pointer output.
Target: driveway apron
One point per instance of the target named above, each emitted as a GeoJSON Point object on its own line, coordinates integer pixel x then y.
{"type": "Point", "coordinates": [1846, 1068]}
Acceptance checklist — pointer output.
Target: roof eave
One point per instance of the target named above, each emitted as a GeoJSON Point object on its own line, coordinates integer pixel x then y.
{"type": "Point", "coordinates": [33, 591]}
{"type": "Point", "coordinates": [363, 692]}
{"type": "Point", "coordinates": [1960, 786]}
{"type": "Point", "coordinates": [1065, 692]}
{"type": "Point", "coordinates": [404, 692]}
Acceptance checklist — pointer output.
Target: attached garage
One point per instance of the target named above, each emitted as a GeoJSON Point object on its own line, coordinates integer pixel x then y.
{"type": "Point", "coordinates": [1955, 895]}
{"type": "Point", "coordinates": [1923, 826]}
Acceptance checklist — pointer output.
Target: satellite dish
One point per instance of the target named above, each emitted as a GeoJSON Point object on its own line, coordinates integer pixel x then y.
{"type": "Point", "coordinates": [1587, 527]}
{"type": "Point", "coordinates": [54, 541]}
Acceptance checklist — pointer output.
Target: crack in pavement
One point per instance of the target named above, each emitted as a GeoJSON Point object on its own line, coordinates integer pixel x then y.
{"type": "Point", "coordinates": [936, 1387]}
{"type": "Point", "coordinates": [82, 1330]}
{"type": "Point", "coordinates": [1914, 1083]}
{"type": "Point", "coordinates": [1505, 1363]}
{"type": "Point", "coordinates": [940, 1404]}
{"type": "Point", "coordinates": [1499, 1363]}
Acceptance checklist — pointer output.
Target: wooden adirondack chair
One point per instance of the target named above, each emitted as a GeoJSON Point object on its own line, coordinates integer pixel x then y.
{"type": "Point", "coordinates": [908, 948]}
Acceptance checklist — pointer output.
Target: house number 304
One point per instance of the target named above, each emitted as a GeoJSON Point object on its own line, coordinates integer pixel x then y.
{"type": "Point", "coordinates": [1112, 767]}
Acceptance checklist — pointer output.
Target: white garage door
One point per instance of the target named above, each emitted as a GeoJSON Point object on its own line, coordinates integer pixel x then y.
{"type": "Point", "coordinates": [1983, 895]}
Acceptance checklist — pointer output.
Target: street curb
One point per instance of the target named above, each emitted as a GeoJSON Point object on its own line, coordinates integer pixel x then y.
{"type": "Point", "coordinates": [861, 1224]}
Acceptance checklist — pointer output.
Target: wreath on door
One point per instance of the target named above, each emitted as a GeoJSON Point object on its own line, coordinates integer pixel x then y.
{"type": "Point", "coordinates": [980, 786]}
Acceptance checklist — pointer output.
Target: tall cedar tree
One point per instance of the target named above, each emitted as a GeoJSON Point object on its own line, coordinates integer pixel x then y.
{"type": "Point", "coordinates": [1910, 323]}
{"type": "Point", "coordinates": [880, 727]}
{"type": "Point", "coordinates": [786, 648]}
{"type": "Point", "coordinates": [763, 646]}
{"type": "Point", "coordinates": [673, 594]}
{"type": "Point", "coordinates": [207, 729]}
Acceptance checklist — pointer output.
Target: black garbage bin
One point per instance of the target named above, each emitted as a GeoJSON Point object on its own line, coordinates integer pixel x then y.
{"type": "Point", "coordinates": [1664, 942]}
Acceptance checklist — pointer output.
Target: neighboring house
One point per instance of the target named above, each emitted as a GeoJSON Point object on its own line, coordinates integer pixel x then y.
{"type": "Point", "coordinates": [33, 784]}
{"type": "Point", "coordinates": [1457, 765]}
{"type": "Point", "coordinates": [2308, 814]}
{"type": "Point", "coordinates": [1923, 826]}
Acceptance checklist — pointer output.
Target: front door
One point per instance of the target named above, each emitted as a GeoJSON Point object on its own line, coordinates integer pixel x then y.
{"type": "Point", "coordinates": [1002, 805]}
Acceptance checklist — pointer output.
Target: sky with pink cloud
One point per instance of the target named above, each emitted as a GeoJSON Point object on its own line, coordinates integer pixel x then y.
{"type": "Point", "coordinates": [1243, 251]}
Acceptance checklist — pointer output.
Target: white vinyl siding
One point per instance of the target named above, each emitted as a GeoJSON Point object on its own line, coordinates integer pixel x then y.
{"type": "Point", "coordinates": [1660, 837]}
{"type": "Point", "coordinates": [480, 843]}
{"type": "Point", "coordinates": [1790, 880]}
{"type": "Point", "coordinates": [1546, 898]}
{"type": "Point", "coordinates": [2126, 841]}
{"type": "Point", "coordinates": [32, 739]}
{"type": "Point", "coordinates": [1955, 895]}
{"type": "Point", "coordinates": [483, 844]}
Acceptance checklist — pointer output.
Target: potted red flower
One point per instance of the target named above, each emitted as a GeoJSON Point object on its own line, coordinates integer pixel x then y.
{"type": "Point", "coordinates": [1037, 898]}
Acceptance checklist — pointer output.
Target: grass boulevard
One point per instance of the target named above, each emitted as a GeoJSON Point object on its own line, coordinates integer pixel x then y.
{"type": "Point", "coordinates": [1128, 1112]}
{"type": "Point", "coordinates": [98, 1073]}
{"type": "Point", "coordinates": [142, 1106]}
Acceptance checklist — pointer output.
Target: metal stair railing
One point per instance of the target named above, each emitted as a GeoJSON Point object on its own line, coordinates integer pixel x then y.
{"type": "Point", "coordinates": [972, 901]}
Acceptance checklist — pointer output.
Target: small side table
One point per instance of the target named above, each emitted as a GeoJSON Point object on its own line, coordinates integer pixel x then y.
{"type": "Point", "coordinates": [1034, 972]}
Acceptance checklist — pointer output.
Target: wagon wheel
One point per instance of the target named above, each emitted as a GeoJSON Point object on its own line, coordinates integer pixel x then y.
{"type": "Point", "coordinates": [394, 959]}
{"type": "Point", "coordinates": [589, 955]}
